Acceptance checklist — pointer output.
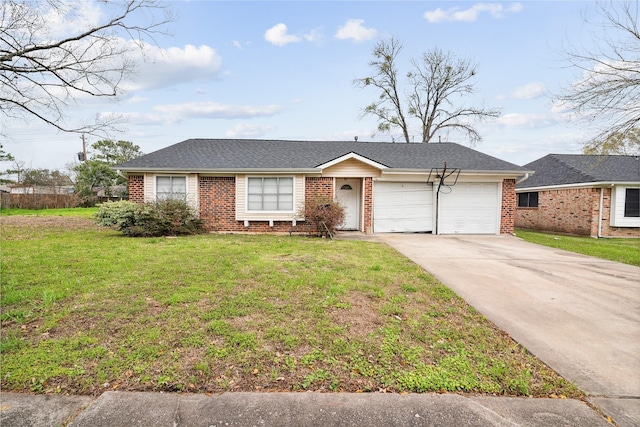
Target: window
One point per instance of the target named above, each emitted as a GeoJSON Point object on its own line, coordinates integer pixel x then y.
{"type": "Point", "coordinates": [528, 200]}
{"type": "Point", "coordinates": [171, 187]}
{"type": "Point", "coordinates": [632, 202]}
{"type": "Point", "coordinates": [270, 194]}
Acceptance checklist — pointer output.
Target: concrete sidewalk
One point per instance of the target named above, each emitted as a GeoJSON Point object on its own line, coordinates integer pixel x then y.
{"type": "Point", "coordinates": [114, 409]}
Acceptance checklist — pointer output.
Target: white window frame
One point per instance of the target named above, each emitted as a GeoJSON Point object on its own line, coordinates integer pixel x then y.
{"type": "Point", "coordinates": [618, 199]}
{"type": "Point", "coordinates": [186, 187]}
{"type": "Point", "coordinates": [293, 194]}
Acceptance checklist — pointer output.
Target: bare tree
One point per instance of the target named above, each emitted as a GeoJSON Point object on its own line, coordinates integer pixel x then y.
{"type": "Point", "coordinates": [48, 60]}
{"type": "Point", "coordinates": [437, 81]}
{"type": "Point", "coordinates": [608, 90]}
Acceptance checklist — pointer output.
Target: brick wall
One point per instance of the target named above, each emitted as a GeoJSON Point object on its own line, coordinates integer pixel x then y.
{"type": "Point", "coordinates": [218, 205]}
{"type": "Point", "coordinates": [318, 186]}
{"type": "Point", "coordinates": [509, 202]}
{"type": "Point", "coordinates": [569, 211]}
{"type": "Point", "coordinates": [572, 211]}
{"type": "Point", "coordinates": [136, 188]}
{"type": "Point", "coordinates": [368, 205]}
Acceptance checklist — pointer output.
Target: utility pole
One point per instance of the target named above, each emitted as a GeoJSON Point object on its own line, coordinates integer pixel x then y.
{"type": "Point", "coordinates": [83, 156]}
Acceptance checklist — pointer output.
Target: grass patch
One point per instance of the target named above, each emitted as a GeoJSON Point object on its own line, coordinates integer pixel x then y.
{"type": "Point", "coordinates": [65, 212]}
{"type": "Point", "coordinates": [621, 250]}
{"type": "Point", "coordinates": [86, 310]}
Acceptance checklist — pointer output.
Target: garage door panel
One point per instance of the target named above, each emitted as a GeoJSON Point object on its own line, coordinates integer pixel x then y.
{"type": "Point", "coordinates": [402, 207]}
{"type": "Point", "coordinates": [469, 208]}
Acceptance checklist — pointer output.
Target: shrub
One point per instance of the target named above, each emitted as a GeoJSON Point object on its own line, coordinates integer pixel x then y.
{"type": "Point", "coordinates": [324, 215]}
{"type": "Point", "coordinates": [162, 218]}
{"type": "Point", "coordinates": [118, 215]}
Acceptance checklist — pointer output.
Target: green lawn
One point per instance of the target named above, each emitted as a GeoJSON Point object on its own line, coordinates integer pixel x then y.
{"type": "Point", "coordinates": [86, 310]}
{"type": "Point", "coordinates": [67, 212]}
{"type": "Point", "coordinates": [621, 250]}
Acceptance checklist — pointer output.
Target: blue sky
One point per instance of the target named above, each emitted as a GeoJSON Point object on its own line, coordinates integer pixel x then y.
{"type": "Point", "coordinates": [285, 70]}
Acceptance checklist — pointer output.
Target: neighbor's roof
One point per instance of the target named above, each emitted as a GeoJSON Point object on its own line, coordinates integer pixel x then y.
{"type": "Point", "coordinates": [246, 154]}
{"type": "Point", "coordinates": [563, 169]}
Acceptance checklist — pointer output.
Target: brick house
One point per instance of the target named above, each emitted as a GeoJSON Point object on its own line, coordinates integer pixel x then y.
{"type": "Point", "coordinates": [260, 185]}
{"type": "Point", "coordinates": [588, 195]}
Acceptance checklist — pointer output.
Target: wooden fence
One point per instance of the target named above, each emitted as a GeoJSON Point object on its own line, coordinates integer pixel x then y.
{"type": "Point", "coordinates": [39, 201]}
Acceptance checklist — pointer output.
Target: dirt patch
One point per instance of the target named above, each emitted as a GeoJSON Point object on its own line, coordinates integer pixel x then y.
{"type": "Point", "coordinates": [35, 221]}
{"type": "Point", "coordinates": [361, 318]}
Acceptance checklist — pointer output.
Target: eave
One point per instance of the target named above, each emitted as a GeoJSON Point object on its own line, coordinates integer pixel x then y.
{"type": "Point", "coordinates": [269, 171]}
{"type": "Point", "coordinates": [599, 184]}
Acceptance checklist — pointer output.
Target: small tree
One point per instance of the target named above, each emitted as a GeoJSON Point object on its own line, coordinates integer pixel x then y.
{"type": "Point", "coordinates": [5, 157]}
{"type": "Point", "coordinates": [93, 174]}
{"type": "Point", "coordinates": [324, 215]}
{"type": "Point", "coordinates": [97, 172]}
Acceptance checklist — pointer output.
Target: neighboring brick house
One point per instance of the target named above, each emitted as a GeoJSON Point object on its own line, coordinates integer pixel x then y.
{"type": "Point", "coordinates": [261, 185]}
{"type": "Point", "coordinates": [589, 195]}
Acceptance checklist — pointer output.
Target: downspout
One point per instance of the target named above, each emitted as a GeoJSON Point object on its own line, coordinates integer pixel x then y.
{"type": "Point", "coordinates": [437, 206]}
{"type": "Point", "coordinates": [600, 212]}
{"type": "Point", "coordinates": [119, 173]}
{"type": "Point", "coordinates": [524, 178]}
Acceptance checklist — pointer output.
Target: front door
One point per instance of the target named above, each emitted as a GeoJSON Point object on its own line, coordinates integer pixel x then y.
{"type": "Point", "coordinates": [348, 193]}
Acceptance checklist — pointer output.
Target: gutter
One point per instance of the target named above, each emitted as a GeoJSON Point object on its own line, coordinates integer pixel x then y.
{"type": "Point", "coordinates": [598, 184]}
{"type": "Point", "coordinates": [398, 171]}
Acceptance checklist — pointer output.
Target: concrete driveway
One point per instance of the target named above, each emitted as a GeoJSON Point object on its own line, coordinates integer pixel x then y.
{"type": "Point", "coordinates": [580, 315]}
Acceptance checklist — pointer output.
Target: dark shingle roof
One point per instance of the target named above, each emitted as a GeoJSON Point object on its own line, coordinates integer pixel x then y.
{"type": "Point", "coordinates": [561, 169]}
{"type": "Point", "coordinates": [246, 154]}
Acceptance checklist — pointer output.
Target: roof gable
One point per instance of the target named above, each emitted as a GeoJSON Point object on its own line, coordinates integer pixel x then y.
{"type": "Point", "coordinates": [202, 155]}
{"type": "Point", "coordinates": [353, 156]}
{"type": "Point", "coordinates": [565, 169]}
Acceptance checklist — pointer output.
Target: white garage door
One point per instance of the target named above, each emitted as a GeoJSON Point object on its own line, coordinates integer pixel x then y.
{"type": "Point", "coordinates": [469, 209]}
{"type": "Point", "coordinates": [402, 207]}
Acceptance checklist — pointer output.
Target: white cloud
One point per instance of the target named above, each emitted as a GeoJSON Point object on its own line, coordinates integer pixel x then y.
{"type": "Point", "coordinates": [143, 119]}
{"type": "Point", "coordinates": [161, 67]}
{"type": "Point", "coordinates": [171, 114]}
{"type": "Point", "coordinates": [496, 10]}
{"type": "Point", "coordinates": [519, 120]}
{"type": "Point", "coordinates": [66, 18]}
{"type": "Point", "coordinates": [278, 36]}
{"type": "Point", "coordinates": [249, 130]}
{"type": "Point", "coordinates": [529, 91]}
{"type": "Point", "coordinates": [214, 110]}
{"type": "Point", "coordinates": [314, 36]}
{"type": "Point", "coordinates": [354, 30]}
{"type": "Point", "coordinates": [240, 45]}
{"type": "Point", "coordinates": [136, 99]}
